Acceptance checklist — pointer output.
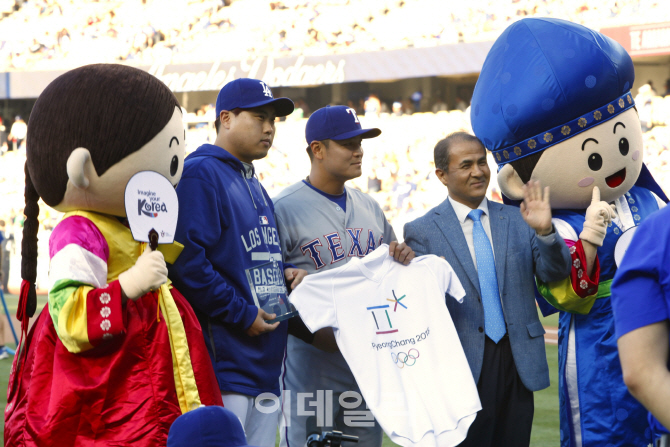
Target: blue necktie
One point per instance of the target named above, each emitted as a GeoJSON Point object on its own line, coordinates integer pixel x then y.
{"type": "Point", "coordinates": [494, 320]}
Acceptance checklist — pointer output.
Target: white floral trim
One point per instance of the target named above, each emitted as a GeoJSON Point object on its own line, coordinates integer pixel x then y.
{"type": "Point", "coordinates": [105, 298]}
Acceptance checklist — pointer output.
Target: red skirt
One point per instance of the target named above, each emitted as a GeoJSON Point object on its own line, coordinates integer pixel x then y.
{"type": "Point", "coordinates": [119, 393]}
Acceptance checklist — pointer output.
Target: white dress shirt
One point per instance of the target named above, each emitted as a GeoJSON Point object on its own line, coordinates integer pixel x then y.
{"type": "Point", "coordinates": [467, 224]}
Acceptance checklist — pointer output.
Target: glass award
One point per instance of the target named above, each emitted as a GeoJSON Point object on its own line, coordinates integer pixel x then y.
{"type": "Point", "coordinates": [266, 282]}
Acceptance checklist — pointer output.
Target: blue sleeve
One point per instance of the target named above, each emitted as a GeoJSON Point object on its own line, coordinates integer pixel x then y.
{"type": "Point", "coordinates": [639, 297]}
{"type": "Point", "coordinates": [414, 239]}
{"type": "Point", "coordinates": [550, 255]}
{"type": "Point", "coordinates": [200, 229]}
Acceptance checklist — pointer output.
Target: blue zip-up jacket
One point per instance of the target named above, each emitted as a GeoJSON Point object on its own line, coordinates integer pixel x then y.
{"type": "Point", "coordinates": [227, 225]}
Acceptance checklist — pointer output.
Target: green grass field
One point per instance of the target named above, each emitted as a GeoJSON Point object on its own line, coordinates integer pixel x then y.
{"type": "Point", "coordinates": [545, 424]}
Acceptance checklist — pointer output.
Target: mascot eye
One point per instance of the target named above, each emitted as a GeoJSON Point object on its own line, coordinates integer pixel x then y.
{"type": "Point", "coordinates": [174, 166]}
{"type": "Point", "coordinates": [595, 161]}
{"type": "Point", "coordinates": [623, 146]}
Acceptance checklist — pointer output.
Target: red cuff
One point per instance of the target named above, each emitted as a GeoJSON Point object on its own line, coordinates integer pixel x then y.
{"type": "Point", "coordinates": [104, 313]}
{"type": "Point", "coordinates": [581, 283]}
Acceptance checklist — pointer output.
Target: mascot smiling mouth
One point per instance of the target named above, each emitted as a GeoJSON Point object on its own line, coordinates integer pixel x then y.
{"type": "Point", "coordinates": [616, 179]}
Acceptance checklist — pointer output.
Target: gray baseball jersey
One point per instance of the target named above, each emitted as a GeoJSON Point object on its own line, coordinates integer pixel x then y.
{"type": "Point", "coordinates": [316, 234]}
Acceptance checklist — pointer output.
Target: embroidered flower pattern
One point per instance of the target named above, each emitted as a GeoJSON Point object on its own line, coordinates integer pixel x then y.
{"type": "Point", "coordinates": [621, 103]}
{"type": "Point", "coordinates": [548, 137]}
{"type": "Point", "coordinates": [630, 100]}
{"type": "Point", "coordinates": [581, 122]}
{"type": "Point", "coordinates": [532, 144]}
{"type": "Point", "coordinates": [498, 157]}
{"type": "Point", "coordinates": [105, 298]}
{"type": "Point", "coordinates": [616, 231]}
{"type": "Point", "coordinates": [583, 284]}
{"type": "Point", "coordinates": [506, 154]}
{"type": "Point", "coordinates": [580, 273]}
{"type": "Point", "coordinates": [633, 209]}
{"type": "Point", "coordinates": [636, 217]}
{"type": "Point", "coordinates": [573, 249]}
{"type": "Point", "coordinates": [597, 115]}
{"type": "Point", "coordinates": [610, 108]}
{"type": "Point", "coordinates": [517, 150]}
{"type": "Point", "coordinates": [105, 311]}
{"type": "Point", "coordinates": [631, 200]}
{"type": "Point", "coordinates": [576, 263]}
{"type": "Point", "coordinates": [105, 325]}
{"type": "Point", "coordinates": [565, 130]}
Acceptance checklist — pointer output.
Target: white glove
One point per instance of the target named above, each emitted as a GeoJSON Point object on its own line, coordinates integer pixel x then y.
{"type": "Point", "coordinates": [148, 273]}
{"type": "Point", "coordinates": [598, 216]}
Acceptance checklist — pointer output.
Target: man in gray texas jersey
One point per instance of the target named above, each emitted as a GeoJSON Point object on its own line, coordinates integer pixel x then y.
{"type": "Point", "coordinates": [322, 225]}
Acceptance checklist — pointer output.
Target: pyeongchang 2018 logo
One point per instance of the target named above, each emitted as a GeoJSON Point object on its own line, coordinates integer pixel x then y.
{"type": "Point", "coordinates": [149, 204]}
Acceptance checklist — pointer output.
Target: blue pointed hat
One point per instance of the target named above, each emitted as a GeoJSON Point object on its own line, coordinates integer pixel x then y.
{"type": "Point", "coordinates": [547, 80]}
{"type": "Point", "coordinates": [544, 81]}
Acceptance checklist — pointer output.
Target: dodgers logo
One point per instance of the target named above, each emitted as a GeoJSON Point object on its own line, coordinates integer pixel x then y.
{"type": "Point", "coordinates": [266, 89]}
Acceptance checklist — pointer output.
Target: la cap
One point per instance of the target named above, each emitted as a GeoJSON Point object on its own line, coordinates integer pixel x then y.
{"type": "Point", "coordinates": [246, 93]}
{"type": "Point", "coordinates": [336, 123]}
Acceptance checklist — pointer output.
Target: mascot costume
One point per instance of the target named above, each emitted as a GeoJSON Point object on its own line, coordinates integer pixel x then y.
{"type": "Point", "coordinates": [117, 354]}
{"type": "Point", "coordinates": [553, 104]}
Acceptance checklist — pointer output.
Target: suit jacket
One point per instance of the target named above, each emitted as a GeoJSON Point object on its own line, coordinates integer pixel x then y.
{"type": "Point", "coordinates": [519, 254]}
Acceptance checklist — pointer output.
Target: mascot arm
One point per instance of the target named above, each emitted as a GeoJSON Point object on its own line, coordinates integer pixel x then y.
{"type": "Point", "coordinates": [577, 293]}
{"type": "Point", "coordinates": [85, 310]}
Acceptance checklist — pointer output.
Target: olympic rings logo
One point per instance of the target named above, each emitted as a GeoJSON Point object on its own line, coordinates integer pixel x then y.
{"type": "Point", "coordinates": [401, 359]}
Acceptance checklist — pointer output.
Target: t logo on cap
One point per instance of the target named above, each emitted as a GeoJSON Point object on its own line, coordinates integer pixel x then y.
{"type": "Point", "coordinates": [353, 112]}
{"type": "Point", "coordinates": [334, 123]}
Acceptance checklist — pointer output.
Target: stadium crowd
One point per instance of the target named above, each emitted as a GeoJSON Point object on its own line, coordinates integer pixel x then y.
{"type": "Point", "coordinates": [58, 34]}
{"type": "Point", "coordinates": [398, 170]}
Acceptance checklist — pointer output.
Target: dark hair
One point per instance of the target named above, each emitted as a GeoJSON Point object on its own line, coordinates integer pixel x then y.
{"type": "Point", "coordinates": [309, 149]}
{"type": "Point", "coordinates": [441, 151]}
{"type": "Point", "coordinates": [524, 167]}
{"type": "Point", "coordinates": [111, 110]}
{"type": "Point", "coordinates": [217, 122]}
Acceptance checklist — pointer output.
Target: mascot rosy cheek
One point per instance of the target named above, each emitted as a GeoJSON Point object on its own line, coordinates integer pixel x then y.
{"type": "Point", "coordinates": [108, 361]}
{"type": "Point", "coordinates": [553, 104]}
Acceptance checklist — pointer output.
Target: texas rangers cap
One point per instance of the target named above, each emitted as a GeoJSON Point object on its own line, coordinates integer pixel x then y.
{"type": "Point", "coordinates": [336, 123]}
{"type": "Point", "coordinates": [245, 93]}
{"type": "Point", "coordinates": [207, 426]}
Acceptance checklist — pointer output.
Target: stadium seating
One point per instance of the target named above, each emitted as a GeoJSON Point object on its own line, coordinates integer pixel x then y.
{"type": "Point", "coordinates": [65, 33]}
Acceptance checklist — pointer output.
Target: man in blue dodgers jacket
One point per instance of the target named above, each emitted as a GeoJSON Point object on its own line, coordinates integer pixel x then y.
{"type": "Point", "coordinates": [231, 251]}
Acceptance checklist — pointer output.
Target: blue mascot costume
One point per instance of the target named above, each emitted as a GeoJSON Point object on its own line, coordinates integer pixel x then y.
{"type": "Point", "coordinates": [553, 104]}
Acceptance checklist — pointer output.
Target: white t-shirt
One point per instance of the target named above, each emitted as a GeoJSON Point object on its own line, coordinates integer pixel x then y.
{"type": "Point", "coordinates": [395, 332]}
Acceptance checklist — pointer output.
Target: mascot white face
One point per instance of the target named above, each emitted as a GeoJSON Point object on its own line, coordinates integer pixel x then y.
{"type": "Point", "coordinates": [608, 156]}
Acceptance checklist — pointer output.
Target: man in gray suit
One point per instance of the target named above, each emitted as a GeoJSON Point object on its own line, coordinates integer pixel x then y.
{"type": "Point", "coordinates": [497, 322]}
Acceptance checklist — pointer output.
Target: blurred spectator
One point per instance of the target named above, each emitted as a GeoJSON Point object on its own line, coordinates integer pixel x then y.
{"type": "Point", "coordinates": [653, 90]}
{"type": "Point", "coordinates": [373, 106]}
{"type": "Point", "coordinates": [3, 137]}
{"type": "Point", "coordinates": [460, 104]}
{"type": "Point", "coordinates": [440, 106]}
{"type": "Point", "coordinates": [667, 88]}
{"type": "Point", "coordinates": [17, 133]}
{"type": "Point", "coordinates": [416, 98]}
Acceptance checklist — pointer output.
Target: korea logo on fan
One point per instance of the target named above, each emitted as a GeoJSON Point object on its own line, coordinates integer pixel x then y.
{"type": "Point", "coordinates": [263, 220]}
{"type": "Point", "coordinates": [266, 89]}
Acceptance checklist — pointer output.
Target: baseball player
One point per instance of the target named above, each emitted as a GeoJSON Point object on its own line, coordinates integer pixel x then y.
{"type": "Point", "coordinates": [322, 225]}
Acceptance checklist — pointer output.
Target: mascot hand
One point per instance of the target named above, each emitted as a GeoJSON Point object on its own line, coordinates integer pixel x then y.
{"type": "Point", "coordinates": [598, 216]}
{"type": "Point", "coordinates": [148, 273]}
